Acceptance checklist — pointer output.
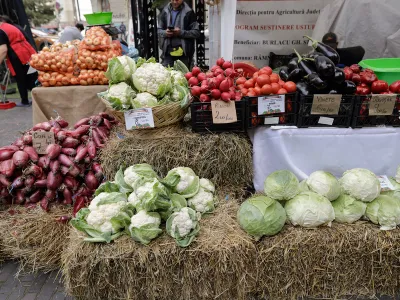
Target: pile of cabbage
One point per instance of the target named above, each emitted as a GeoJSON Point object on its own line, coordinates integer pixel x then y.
{"type": "Point", "coordinates": [319, 200]}
{"type": "Point", "coordinates": [138, 201]}
{"type": "Point", "coordinates": [144, 84]}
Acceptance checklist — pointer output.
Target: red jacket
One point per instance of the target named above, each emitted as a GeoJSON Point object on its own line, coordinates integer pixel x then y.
{"type": "Point", "coordinates": [18, 44]}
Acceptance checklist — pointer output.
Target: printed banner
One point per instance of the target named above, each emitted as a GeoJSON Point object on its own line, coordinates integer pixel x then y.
{"type": "Point", "coordinates": [278, 26]}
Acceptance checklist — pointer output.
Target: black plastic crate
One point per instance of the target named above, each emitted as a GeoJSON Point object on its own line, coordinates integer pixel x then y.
{"type": "Point", "coordinates": [342, 119]}
{"type": "Point", "coordinates": [288, 118]}
{"type": "Point", "coordinates": [202, 118]}
{"type": "Point", "coordinates": [361, 117]}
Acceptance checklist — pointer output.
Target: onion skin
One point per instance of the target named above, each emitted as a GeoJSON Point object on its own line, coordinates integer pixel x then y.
{"type": "Point", "coordinates": [20, 159]}
{"type": "Point", "coordinates": [32, 154]}
{"type": "Point", "coordinates": [65, 161]}
{"type": "Point", "coordinates": [81, 154]}
{"type": "Point", "coordinates": [36, 196]}
{"type": "Point", "coordinates": [70, 142]}
{"type": "Point", "coordinates": [50, 195]}
{"type": "Point", "coordinates": [55, 166]}
{"type": "Point", "coordinates": [7, 167]}
{"type": "Point", "coordinates": [71, 183]}
{"type": "Point", "coordinates": [44, 204]}
{"type": "Point", "coordinates": [68, 151]}
{"type": "Point", "coordinates": [29, 181]}
{"type": "Point", "coordinates": [6, 154]}
{"type": "Point", "coordinates": [34, 170]}
{"type": "Point", "coordinates": [54, 181]}
{"type": "Point", "coordinates": [91, 149]}
{"type": "Point", "coordinates": [84, 121]}
{"type": "Point", "coordinates": [91, 181]}
{"type": "Point", "coordinates": [41, 183]}
{"type": "Point", "coordinates": [53, 151]}
{"type": "Point", "coordinates": [44, 162]}
{"type": "Point", "coordinates": [67, 194]}
{"type": "Point", "coordinates": [17, 182]}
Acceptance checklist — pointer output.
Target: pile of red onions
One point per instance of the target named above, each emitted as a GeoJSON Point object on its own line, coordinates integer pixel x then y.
{"type": "Point", "coordinates": [67, 174]}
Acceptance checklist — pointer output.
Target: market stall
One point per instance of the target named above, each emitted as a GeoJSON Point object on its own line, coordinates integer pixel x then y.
{"type": "Point", "coordinates": [73, 102]}
{"type": "Point", "coordinates": [336, 150]}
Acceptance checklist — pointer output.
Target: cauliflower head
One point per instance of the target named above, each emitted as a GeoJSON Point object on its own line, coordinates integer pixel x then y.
{"type": "Point", "coordinates": [144, 100]}
{"type": "Point", "coordinates": [207, 185]}
{"type": "Point", "coordinates": [145, 226]}
{"type": "Point", "coordinates": [120, 96]}
{"type": "Point", "coordinates": [183, 180]}
{"type": "Point", "coordinates": [178, 78]}
{"type": "Point", "coordinates": [202, 202]}
{"type": "Point", "coordinates": [183, 226]}
{"type": "Point", "coordinates": [134, 173]}
{"type": "Point", "coordinates": [152, 78]}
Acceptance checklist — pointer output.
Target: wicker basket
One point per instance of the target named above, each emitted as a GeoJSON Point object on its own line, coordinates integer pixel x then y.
{"type": "Point", "coordinates": [163, 115]}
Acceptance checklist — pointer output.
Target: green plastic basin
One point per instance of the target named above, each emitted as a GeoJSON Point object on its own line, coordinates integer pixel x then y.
{"type": "Point", "coordinates": [99, 18]}
{"type": "Point", "coordinates": [387, 69]}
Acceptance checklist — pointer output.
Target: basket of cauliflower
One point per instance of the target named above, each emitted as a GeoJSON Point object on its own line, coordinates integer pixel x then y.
{"type": "Point", "coordinates": [146, 84]}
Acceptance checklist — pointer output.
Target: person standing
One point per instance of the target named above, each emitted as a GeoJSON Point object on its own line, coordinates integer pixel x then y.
{"type": "Point", "coordinates": [177, 29]}
{"type": "Point", "coordinates": [72, 33]}
{"type": "Point", "coordinates": [18, 52]}
{"type": "Point", "coordinates": [122, 29]}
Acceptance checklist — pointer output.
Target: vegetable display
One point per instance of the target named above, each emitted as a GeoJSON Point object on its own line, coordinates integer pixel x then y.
{"type": "Point", "coordinates": [67, 174]}
{"type": "Point", "coordinates": [260, 215]}
{"type": "Point", "coordinates": [227, 82]}
{"type": "Point", "coordinates": [319, 200]}
{"type": "Point", "coordinates": [78, 62]}
{"type": "Point", "coordinates": [144, 84]}
{"type": "Point", "coordinates": [141, 201]}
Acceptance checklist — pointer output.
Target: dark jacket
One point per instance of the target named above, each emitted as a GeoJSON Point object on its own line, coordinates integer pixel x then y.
{"type": "Point", "coordinates": [186, 21]}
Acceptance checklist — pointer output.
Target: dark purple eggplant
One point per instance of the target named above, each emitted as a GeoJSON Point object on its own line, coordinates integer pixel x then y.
{"type": "Point", "coordinates": [315, 81]}
{"type": "Point", "coordinates": [314, 55]}
{"type": "Point", "coordinates": [305, 64]}
{"type": "Point", "coordinates": [325, 67]}
{"type": "Point", "coordinates": [292, 64]}
{"type": "Point", "coordinates": [339, 76]}
{"type": "Point", "coordinates": [284, 74]}
{"type": "Point", "coordinates": [326, 50]}
{"type": "Point", "coordinates": [304, 88]}
{"type": "Point", "coordinates": [296, 75]}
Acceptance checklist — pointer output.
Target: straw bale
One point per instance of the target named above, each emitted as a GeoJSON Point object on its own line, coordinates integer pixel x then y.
{"type": "Point", "coordinates": [226, 159]}
{"type": "Point", "coordinates": [356, 259]}
{"type": "Point", "coordinates": [34, 237]}
{"type": "Point", "coordinates": [217, 265]}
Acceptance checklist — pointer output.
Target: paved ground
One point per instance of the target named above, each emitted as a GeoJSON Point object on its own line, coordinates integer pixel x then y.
{"type": "Point", "coordinates": [32, 286]}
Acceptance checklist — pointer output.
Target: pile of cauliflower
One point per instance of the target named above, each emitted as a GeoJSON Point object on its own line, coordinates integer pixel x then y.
{"type": "Point", "coordinates": [138, 201]}
{"type": "Point", "coordinates": [143, 84]}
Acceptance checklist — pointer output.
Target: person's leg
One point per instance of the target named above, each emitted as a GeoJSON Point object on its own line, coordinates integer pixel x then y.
{"type": "Point", "coordinates": [168, 61]}
{"type": "Point", "coordinates": [22, 83]}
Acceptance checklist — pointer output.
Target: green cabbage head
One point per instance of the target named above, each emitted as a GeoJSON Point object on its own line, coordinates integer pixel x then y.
{"type": "Point", "coordinates": [261, 215]}
{"type": "Point", "coordinates": [385, 211]}
{"type": "Point", "coordinates": [362, 184]}
{"type": "Point", "coordinates": [348, 209]}
{"type": "Point", "coordinates": [281, 185]}
{"type": "Point", "coordinates": [310, 209]}
{"type": "Point", "coordinates": [120, 69]}
{"type": "Point", "coordinates": [325, 184]}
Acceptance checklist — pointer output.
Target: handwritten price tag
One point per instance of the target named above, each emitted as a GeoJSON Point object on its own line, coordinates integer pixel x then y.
{"type": "Point", "coordinates": [386, 185]}
{"type": "Point", "coordinates": [271, 104]}
{"type": "Point", "coordinates": [326, 104]}
{"type": "Point", "coordinates": [41, 140]}
{"type": "Point", "coordinates": [223, 112]}
{"type": "Point", "coordinates": [139, 118]}
{"type": "Point", "coordinates": [382, 105]}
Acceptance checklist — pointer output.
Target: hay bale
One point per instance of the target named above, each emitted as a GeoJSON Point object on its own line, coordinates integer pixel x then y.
{"type": "Point", "coordinates": [217, 265]}
{"type": "Point", "coordinates": [34, 237]}
{"type": "Point", "coordinates": [226, 159]}
{"type": "Point", "coordinates": [356, 259]}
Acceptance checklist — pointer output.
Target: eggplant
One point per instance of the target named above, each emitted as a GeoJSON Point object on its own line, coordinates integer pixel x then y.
{"type": "Point", "coordinates": [304, 88]}
{"type": "Point", "coordinates": [339, 76]}
{"type": "Point", "coordinates": [325, 67]}
{"type": "Point", "coordinates": [305, 64]}
{"type": "Point", "coordinates": [326, 50]}
{"type": "Point", "coordinates": [333, 92]}
{"type": "Point", "coordinates": [296, 75]}
{"type": "Point", "coordinates": [283, 73]}
{"type": "Point", "coordinates": [314, 55]}
{"type": "Point", "coordinates": [348, 87]}
{"type": "Point", "coordinates": [292, 64]}
{"type": "Point", "coordinates": [315, 80]}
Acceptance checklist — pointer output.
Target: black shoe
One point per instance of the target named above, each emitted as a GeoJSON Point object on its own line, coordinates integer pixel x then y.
{"type": "Point", "coordinates": [22, 104]}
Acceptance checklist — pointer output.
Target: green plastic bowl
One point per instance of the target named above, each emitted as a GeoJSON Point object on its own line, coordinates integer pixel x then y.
{"type": "Point", "coordinates": [99, 18]}
{"type": "Point", "coordinates": [387, 69]}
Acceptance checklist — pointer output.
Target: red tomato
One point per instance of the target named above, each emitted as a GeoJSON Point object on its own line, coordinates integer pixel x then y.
{"type": "Point", "coordinates": [257, 90]}
{"type": "Point", "coordinates": [263, 80]}
{"type": "Point", "coordinates": [281, 83]}
{"type": "Point", "coordinates": [290, 86]}
{"type": "Point", "coordinates": [241, 80]}
{"type": "Point", "coordinates": [255, 75]}
{"type": "Point", "coordinates": [266, 89]}
{"type": "Point", "coordinates": [274, 78]}
{"type": "Point", "coordinates": [249, 84]}
{"type": "Point", "coordinates": [240, 86]}
{"type": "Point", "coordinates": [275, 87]}
{"type": "Point", "coordinates": [267, 70]}
{"type": "Point", "coordinates": [251, 94]}
{"type": "Point", "coordinates": [282, 91]}
{"type": "Point", "coordinates": [244, 91]}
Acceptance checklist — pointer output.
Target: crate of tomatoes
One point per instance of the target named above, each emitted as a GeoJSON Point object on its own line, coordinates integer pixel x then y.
{"type": "Point", "coordinates": [270, 100]}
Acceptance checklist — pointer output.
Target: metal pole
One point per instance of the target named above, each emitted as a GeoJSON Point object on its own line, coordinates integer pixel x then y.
{"type": "Point", "coordinates": [79, 10]}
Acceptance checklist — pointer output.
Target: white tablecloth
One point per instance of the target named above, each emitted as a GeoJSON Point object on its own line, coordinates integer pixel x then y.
{"type": "Point", "coordinates": [336, 150]}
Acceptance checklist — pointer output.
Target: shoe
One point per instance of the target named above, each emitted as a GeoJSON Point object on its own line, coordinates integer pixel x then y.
{"type": "Point", "coordinates": [24, 104]}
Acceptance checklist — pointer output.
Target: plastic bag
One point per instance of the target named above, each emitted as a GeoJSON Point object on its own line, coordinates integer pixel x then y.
{"type": "Point", "coordinates": [94, 59]}
{"type": "Point", "coordinates": [61, 61]}
{"type": "Point", "coordinates": [48, 79]}
{"type": "Point", "coordinates": [96, 39]}
{"type": "Point", "coordinates": [92, 77]}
